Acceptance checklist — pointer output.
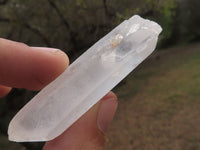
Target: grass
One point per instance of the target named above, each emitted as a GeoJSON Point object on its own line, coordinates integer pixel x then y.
{"type": "Point", "coordinates": [159, 104]}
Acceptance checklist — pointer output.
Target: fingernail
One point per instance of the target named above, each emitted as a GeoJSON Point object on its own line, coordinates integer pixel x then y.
{"type": "Point", "coordinates": [106, 113]}
{"type": "Point", "coordinates": [46, 49]}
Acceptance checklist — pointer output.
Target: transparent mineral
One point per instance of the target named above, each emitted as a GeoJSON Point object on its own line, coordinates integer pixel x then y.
{"type": "Point", "coordinates": [85, 81]}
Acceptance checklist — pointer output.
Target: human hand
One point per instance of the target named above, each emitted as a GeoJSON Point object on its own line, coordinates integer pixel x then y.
{"type": "Point", "coordinates": [33, 68]}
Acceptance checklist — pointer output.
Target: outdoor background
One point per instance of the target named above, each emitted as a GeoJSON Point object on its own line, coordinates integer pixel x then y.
{"type": "Point", "coordinates": [159, 102]}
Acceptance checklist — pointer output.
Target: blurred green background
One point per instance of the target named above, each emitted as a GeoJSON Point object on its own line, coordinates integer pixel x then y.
{"type": "Point", "coordinates": [158, 103]}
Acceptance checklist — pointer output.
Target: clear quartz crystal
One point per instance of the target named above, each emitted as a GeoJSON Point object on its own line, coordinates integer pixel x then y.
{"type": "Point", "coordinates": [85, 81]}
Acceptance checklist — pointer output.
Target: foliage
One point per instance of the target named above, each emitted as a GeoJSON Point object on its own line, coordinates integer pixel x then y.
{"type": "Point", "coordinates": [73, 26]}
{"type": "Point", "coordinates": [189, 18]}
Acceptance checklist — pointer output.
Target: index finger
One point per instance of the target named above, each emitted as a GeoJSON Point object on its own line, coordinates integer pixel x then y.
{"type": "Point", "coordinates": [27, 67]}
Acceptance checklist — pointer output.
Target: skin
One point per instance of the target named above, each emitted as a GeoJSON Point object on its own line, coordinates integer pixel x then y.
{"type": "Point", "coordinates": [33, 68]}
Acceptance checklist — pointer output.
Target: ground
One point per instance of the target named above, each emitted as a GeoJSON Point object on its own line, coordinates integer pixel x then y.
{"type": "Point", "coordinates": [158, 104]}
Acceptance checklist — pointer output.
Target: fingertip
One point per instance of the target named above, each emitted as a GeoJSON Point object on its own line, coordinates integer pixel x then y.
{"type": "Point", "coordinates": [64, 59]}
{"type": "Point", "coordinates": [48, 66]}
{"type": "Point", "coordinates": [110, 95]}
{"type": "Point", "coordinates": [29, 67]}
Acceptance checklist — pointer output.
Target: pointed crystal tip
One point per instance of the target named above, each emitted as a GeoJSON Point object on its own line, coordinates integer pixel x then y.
{"type": "Point", "coordinates": [17, 133]}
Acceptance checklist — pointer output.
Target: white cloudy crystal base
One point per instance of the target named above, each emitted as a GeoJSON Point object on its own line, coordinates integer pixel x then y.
{"type": "Point", "coordinates": [85, 81]}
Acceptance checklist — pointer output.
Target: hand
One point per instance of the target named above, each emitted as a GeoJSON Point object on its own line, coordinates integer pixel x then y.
{"type": "Point", "coordinates": [33, 68]}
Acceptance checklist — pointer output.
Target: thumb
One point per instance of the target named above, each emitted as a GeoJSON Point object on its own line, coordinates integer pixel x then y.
{"type": "Point", "coordinates": [88, 132]}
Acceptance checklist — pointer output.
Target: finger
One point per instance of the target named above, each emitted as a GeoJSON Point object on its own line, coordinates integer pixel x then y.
{"type": "Point", "coordinates": [29, 67]}
{"type": "Point", "coordinates": [4, 90]}
{"type": "Point", "coordinates": [88, 132]}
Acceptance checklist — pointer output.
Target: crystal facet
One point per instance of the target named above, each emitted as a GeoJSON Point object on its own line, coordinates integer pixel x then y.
{"type": "Point", "coordinates": [85, 81]}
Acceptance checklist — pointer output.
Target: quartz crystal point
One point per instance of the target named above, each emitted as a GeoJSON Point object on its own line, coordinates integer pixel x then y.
{"type": "Point", "coordinates": [85, 81]}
